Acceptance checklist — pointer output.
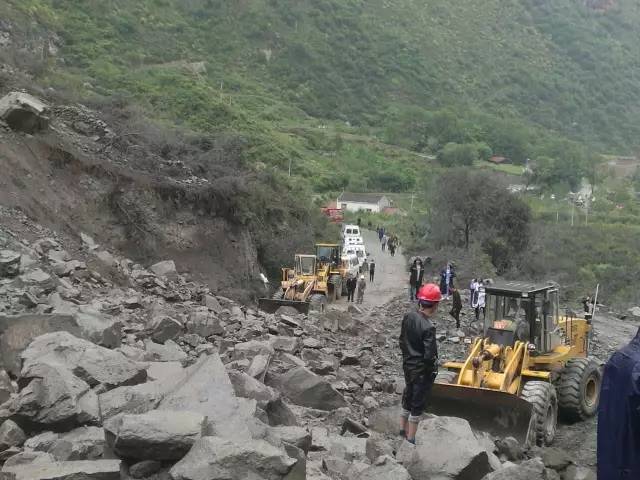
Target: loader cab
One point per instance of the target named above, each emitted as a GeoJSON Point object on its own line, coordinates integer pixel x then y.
{"type": "Point", "coordinates": [519, 311]}
{"type": "Point", "coordinates": [305, 265]}
{"type": "Point", "coordinates": [328, 253]}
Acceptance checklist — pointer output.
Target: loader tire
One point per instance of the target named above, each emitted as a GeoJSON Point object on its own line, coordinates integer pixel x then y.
{"type": "Point", "coordinates": [579, 389]}
{"type": "Point", "coordinates": [278, 295]}
{"type": "Point", "coordinates": [543, 397]}
{"type": "Point", "coordinates": [318, 301]}
{"type": "Point", "coordinates": [446, 376]}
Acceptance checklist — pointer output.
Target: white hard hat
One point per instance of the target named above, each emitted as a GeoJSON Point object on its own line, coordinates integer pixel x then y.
{"type": "Point", "coordinates": [361, 277]}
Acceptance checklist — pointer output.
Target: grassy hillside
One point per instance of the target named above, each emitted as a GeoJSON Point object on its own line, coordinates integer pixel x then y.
{"type": "Point", "coordinates": [288, 75]}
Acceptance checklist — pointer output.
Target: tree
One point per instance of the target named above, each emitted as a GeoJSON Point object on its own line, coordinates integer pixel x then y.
{"type": "Point", "coordinates": [472, 207]}
{"type": "Point", "coordinates": [458, 155]}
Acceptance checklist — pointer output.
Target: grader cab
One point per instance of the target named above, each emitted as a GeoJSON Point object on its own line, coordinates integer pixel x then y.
{"type": "Point", "coordinates": [530, 364]}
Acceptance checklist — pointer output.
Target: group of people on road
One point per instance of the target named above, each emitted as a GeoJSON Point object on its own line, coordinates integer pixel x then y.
{"type": "Point", "coordinates": [388, 241]}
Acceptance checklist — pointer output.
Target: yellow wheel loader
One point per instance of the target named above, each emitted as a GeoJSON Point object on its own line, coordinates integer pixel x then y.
{"type": "Point", "coordinates": [314, 281]}
{"type": "Point", "coordinates": [531, 364]}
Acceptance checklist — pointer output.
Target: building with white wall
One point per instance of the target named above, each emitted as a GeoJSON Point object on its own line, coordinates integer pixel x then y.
{"type": "Point", "coordinates": [368, 202]}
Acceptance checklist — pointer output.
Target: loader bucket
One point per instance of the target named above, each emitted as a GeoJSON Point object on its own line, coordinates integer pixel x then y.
{"type": "Point", "coordinates": [270, 305]}
{"type": "Point", "coordinates": [498, 413]}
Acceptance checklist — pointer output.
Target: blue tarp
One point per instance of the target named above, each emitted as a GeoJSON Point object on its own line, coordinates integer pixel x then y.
{"type": "Point", "coordinates": [619, 415]}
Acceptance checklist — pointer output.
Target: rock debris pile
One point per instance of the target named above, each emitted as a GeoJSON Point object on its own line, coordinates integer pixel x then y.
{"type": "Point", "coordinates": [111, 370]}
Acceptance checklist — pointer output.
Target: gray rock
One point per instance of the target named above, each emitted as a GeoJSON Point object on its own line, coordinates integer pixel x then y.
{"type": "Point", "coordinates": [9, 263]}
{"type": "Point", "coordinates": [529, 470]}
{"type": "Point", "coordinates": [11, 435]}
{"type": "Point", "coordinates": [24, 112]}
{"type": "Point", "coordinates": [574, 472]}
{"type": "Point", "coordinates": [156, 435]}
{"type": "Point", "coordinates": [259, 366]}
{"type": "Point", "coordinates": [99, 328]}
{"type": "Point", "coordinates": [18, 331]}
{"type": "Point", "coordinates": [385, 468]}
{"type": "Point", "coordinates": [107, 259]}
{"type": "Point", "coordinates": [38, 279]}
{"type": "Point", "coordinates": [42, 442]}
{"type": "Point", "coordinates": [169, 352]}
{"type": "Point", "coordinates": [212, 303]}
{"type": "Point", "coordinates": [280, 414]}
{"type": "Point", "coordinates": [305, 388]}
{"type": "Point", "coordinates": [6, 387]}
{"type": "Point", "coordinates": [83, 443]}
{"type": "Point", "coordinates": [296, 436]}
{"type": "Point", "coordinates": [377, 446]}
{"type": "Point", "coordinates": [385, 420]}
{"type": "Point", "coordinates": [144, 469]}
{"type": "Point", "coordinates": [79, 470]}
{"type": "Point", "coordinates": [136, 399]}
{"type": "Point", "coordinates": [556, 458]}
{"type": "Point", "coordinates": [91, 363]}
{"type": "Point", "coordinates": [202, 322]}
{"type": "Point", "coordinates": [249, 350]}
{"type": "Point", "coordinates": [510, 448]}
{"type": "Point", "coordinates": [165, 328]}
{"type": "Point", "coordinates": [248, 387]}
{"type": "Point", "coordinates": [214, 458]}
{"type": "Point", "coordinates": [435, 457]}
{"type": "Point", "coordinates": [56, 399]}
{"type": "Point", "coordinates": [29, 458]}
{"type": "Point", "coordinates": [284, 344]}
{"type": "Point", "coordinates": [207, 389]}
{"type": "Point", "coordinates": [164, 371]}
{"type": "Point", "coordinates": [164, 269]}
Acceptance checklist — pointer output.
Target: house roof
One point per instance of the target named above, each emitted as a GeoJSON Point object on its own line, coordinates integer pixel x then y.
{"type": "Point", "coordinates": [498, 159]}
{"type": "Point", "coordinates": [360, 197]}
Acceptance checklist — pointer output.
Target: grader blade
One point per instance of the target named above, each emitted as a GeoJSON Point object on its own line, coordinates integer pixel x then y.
{"type": "Point", "coordinates": [271, 305]}
{"type": "Point", "coordinates": [498, 413]}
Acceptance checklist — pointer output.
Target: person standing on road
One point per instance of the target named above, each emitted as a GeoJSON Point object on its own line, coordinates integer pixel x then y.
{"type": "Point", "coordinates": [419, 358]}
{"type": "Point", "coordinates": [619, 415]}
{"type": "Point", "coordinates": [372, 270]}
{"type": "Point", "coordinates": [351, 287]}
{"type": "Point", "coordinates": [416, 275]}
{"type": "Point", "coordinates": [380, 233]}
{"type": "Point", "coordinates": [446, 280]}
{"type": "Point", "coordinates": [365, 266]}
{"type": "Point", "coordinates": [473, 287]}
{"type": "Point", "coordinates": [362, 286]}
{"type": "Point", "coordinates": [385, 239]}
{"type": "Point", "coordinates": [479, 301]}
{"type": "Point", "coordinates": [456, 306]}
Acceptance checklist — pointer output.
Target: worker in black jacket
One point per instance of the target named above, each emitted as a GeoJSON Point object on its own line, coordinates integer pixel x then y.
{"type": "Point", "coordinates": [419, 358]}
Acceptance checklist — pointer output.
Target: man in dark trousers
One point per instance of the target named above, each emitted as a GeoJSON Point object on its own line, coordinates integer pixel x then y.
{"type": "Point", "coordinates": [419, 358]}
{"type": "Point", "coordinates": [372, 270]}
{"type": "Point", "coordinates": [352, 283]}
{"type": "Point", "coordinates": [619, 415]}
{"type": "Point", "coordinates": [456, 305]}
{"type": "Point", "coordinates": [416, 273]}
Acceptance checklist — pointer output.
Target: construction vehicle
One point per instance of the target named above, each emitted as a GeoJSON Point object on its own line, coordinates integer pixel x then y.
{"type": "Point", "coordinates": [531, 364]}
{"type": "Point", "coordinates": [315, 280]}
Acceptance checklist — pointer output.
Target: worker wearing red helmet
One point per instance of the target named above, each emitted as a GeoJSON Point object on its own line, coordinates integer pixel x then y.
{"type": "Point", "coordinates": [419, 358]}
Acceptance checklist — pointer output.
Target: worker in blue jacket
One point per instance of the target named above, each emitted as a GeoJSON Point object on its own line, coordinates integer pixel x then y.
{"type": "Point", "coordinates": [619, 415]}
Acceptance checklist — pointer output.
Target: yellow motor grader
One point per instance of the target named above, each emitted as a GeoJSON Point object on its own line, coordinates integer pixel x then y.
{"type": "Point", "coordinates": [531, 364]}
{"type": "Point", "coordinates": [315, 280]}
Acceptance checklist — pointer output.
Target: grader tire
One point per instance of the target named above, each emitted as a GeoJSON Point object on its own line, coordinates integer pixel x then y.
{"type": "Point", "coordinates": [543, 397]}
{"type": "Point", "coordinates": [579, 389]}
{"type": "Point", "coordinates": [446, 376]}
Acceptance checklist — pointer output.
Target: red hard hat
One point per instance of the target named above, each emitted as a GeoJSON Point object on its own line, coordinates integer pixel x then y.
{"type": "Point", "coordinates": [429, 293]}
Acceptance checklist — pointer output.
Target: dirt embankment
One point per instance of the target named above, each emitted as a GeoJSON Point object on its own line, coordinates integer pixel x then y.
{"type": "Point", "coordinates": [75, 177]}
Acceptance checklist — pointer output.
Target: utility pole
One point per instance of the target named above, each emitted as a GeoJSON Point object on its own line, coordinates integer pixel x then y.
{"type": "Point", "coordinates": [290, 160]}
{"type": "Point", "coordinates": [412, 196]}
{"type": "Point", "coordinates": [573, 207]}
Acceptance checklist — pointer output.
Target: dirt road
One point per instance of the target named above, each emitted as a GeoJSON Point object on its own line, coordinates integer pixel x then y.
{"type": "Point", "coordinates": [391, 278]}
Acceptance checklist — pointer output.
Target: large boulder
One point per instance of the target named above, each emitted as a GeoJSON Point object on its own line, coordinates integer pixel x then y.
{"type": "Point", "coordinates": [169, 352]}
{"type": "Point", "coordinates": [164, 269]}
{"type": "Point", "coordinates": [99, 328]}
{"type": "Point", "coordinates": [165, 328]}
{"type": "Point", "coordinates": [24, 112]}
{"type": "Point", "coordinates": [214, 458]}
{"type": "Point", "coordinates": [530, 470]}
{"type": "Point", "coordinates": [79, 470]}
{"type": "Point", "coordinates": [206, 389]}
{"type": "Point", "coordinates": [156, 435]}
{"type": "Point", "coordinates": [204, 323]}
{"type": "Point", "coordinates": [446, 449]}
{"type": "Point", "coordinates": [132, 399]}
{"type": "Point", "coordinates": [246, 386]}
{"type": "Point", "coordinates": [6, 387]}
{"type": "Point", "coordinates": [91, 363]}
{"type": "Point", "coordinates": [307, 389]}
{"type": "Point", "coordinates": [9, 263]}
{"type": "Point", "coordinates": [83, 443]}
{"type": "Point", "coordinates": [384, 468]}
{"type": "Point", "coordinates": [55, 399]}
{"type": "Point", "coordinates": [11, 435]}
